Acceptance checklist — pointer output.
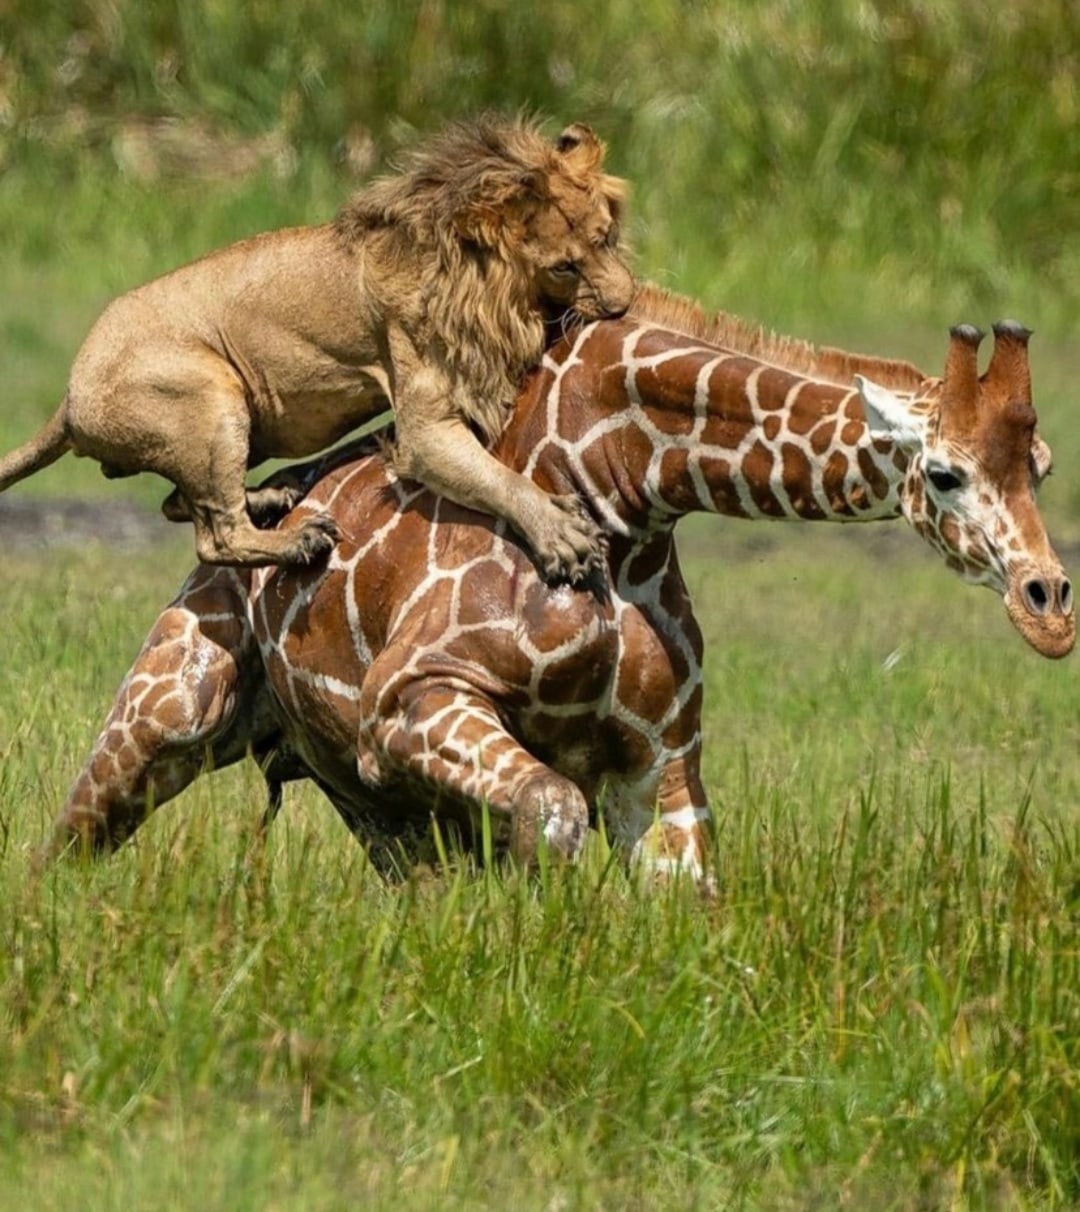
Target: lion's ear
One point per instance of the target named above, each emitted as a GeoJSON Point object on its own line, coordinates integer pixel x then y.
{"type": "Point", "coordinates": [580, 148]}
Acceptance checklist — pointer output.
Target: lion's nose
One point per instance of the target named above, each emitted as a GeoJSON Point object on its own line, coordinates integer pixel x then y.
{"type": "Point", "coordinates": [620, 295]}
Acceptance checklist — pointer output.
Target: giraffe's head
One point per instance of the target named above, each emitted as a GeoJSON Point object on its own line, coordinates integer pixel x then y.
{"type": "Point", "coordinates": [974, 461]}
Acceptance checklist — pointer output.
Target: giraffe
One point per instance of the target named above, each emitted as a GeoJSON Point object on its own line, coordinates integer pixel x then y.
{"type": "Point", "coordinates": [428, 666]}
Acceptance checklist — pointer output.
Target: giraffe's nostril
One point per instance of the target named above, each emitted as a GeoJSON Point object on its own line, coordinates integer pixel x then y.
{"type": "Point", "coordinates": [1065, 596]}
{"type": "Point", "coordinates": [1036, 596]}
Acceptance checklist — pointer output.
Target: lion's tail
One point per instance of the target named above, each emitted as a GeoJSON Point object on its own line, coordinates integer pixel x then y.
{"type": "Point", "coordinates": [45, 447]}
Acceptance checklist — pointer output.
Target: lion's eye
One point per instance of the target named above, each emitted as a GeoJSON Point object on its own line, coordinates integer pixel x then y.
{"type": "Point", "coordinates": [564, 269]}
{"type": "Point", "coordinates": [944, 479]}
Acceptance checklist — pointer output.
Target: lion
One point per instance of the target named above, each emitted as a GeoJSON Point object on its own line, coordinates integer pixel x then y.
{"type": "Point", "coordinates": [433, 291]}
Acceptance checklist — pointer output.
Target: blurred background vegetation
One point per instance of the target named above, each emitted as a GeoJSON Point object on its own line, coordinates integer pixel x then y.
{"type": "Point", "coordinates": [867, 171]}
{"type": "Point", "coordinates": [933, 140]}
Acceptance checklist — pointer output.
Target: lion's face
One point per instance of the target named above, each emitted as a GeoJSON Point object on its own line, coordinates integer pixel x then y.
{"type": "Point", "coordinates": [570, 253]}
{"type": "Point", "coordinates": [555, 224]}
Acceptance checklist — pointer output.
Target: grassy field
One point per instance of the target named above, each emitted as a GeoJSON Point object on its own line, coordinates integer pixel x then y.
{"type": "Point", "coordinates": [881, 1008]}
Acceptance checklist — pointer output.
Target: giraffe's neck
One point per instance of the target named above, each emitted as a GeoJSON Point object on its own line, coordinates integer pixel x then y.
{"type": "Point", "coordinates": [680, 426]}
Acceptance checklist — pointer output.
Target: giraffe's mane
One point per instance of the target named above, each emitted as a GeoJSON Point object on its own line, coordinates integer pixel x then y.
{"type": "Point", "coordinates": [670, 310]}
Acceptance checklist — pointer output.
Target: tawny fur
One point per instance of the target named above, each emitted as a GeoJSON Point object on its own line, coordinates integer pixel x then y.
{"type": "Point", "coordinates": [490, 330]}
{"type": "Point", "coordinates": [432, 291]}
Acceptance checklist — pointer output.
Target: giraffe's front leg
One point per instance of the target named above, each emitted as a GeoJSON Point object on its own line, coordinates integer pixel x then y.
{"type": "Point", "coordinates": [662, 818]}
{"type": "Point", "coordinates": [178, 698]}
{"type": "Point", "coordinates": [454, 741]}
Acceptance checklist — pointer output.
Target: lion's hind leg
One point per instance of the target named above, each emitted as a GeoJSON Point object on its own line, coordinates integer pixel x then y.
{"type": "Point", "coordinates": [224, 534]}
{"type": "Point", "coordinates": [191, 423]}
{"type": "Point", "coordinates": [266, 506]}
{"type": "Point", "coordinates": [209, 475]}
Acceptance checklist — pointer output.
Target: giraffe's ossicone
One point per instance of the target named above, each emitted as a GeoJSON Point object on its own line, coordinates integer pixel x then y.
{"type": "Point", "coordinates": [428, 667]}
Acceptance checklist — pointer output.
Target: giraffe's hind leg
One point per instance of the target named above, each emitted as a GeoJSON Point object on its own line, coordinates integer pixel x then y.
{"type": "Point", "coordinates": [178, 702]}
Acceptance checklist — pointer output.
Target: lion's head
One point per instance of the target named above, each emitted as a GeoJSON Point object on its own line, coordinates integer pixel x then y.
{"type": "Point", "coordinates": [503, 232]}
{"type": "Point", "coordinates": [558, 223]}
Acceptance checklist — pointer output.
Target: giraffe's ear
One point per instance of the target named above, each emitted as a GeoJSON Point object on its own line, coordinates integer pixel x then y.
{"type": "Point", "coordinates": [889, 417]}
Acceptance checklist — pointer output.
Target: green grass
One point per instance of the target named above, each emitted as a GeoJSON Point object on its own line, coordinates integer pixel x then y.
{"type": "Point", "coordinates": [881, 1008]}
{"type": "Point", "coordinates": [882, 1004]}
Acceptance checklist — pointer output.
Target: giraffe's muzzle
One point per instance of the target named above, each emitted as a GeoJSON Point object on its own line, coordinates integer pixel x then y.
{"type": "Point", "coordinates": [1041, 608]}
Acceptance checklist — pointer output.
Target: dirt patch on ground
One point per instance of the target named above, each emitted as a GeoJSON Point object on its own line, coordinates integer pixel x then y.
{"type": "Point", "coordinates": [40, 523]}
{"type": "Point", "coordinates": [44, 523]}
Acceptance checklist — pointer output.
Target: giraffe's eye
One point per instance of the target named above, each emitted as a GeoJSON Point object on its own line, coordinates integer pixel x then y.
{"type": "Point", "coordinates": [944, 479]}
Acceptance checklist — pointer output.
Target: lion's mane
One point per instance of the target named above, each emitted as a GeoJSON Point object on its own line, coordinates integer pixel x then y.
{"type": "Point", "coordinates": [474, 294]}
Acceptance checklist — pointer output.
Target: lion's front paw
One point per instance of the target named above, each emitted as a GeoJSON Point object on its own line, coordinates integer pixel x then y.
{"type": "Point", "coordinates": [571, 546]}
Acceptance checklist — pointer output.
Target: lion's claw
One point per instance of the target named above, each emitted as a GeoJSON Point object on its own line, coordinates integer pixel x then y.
{"type": "Point", "coordinates": [572, 547]}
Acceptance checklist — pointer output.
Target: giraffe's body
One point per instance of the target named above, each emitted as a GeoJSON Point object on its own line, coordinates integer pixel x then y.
{"type": "Point", "coordinates": [429, 663]}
